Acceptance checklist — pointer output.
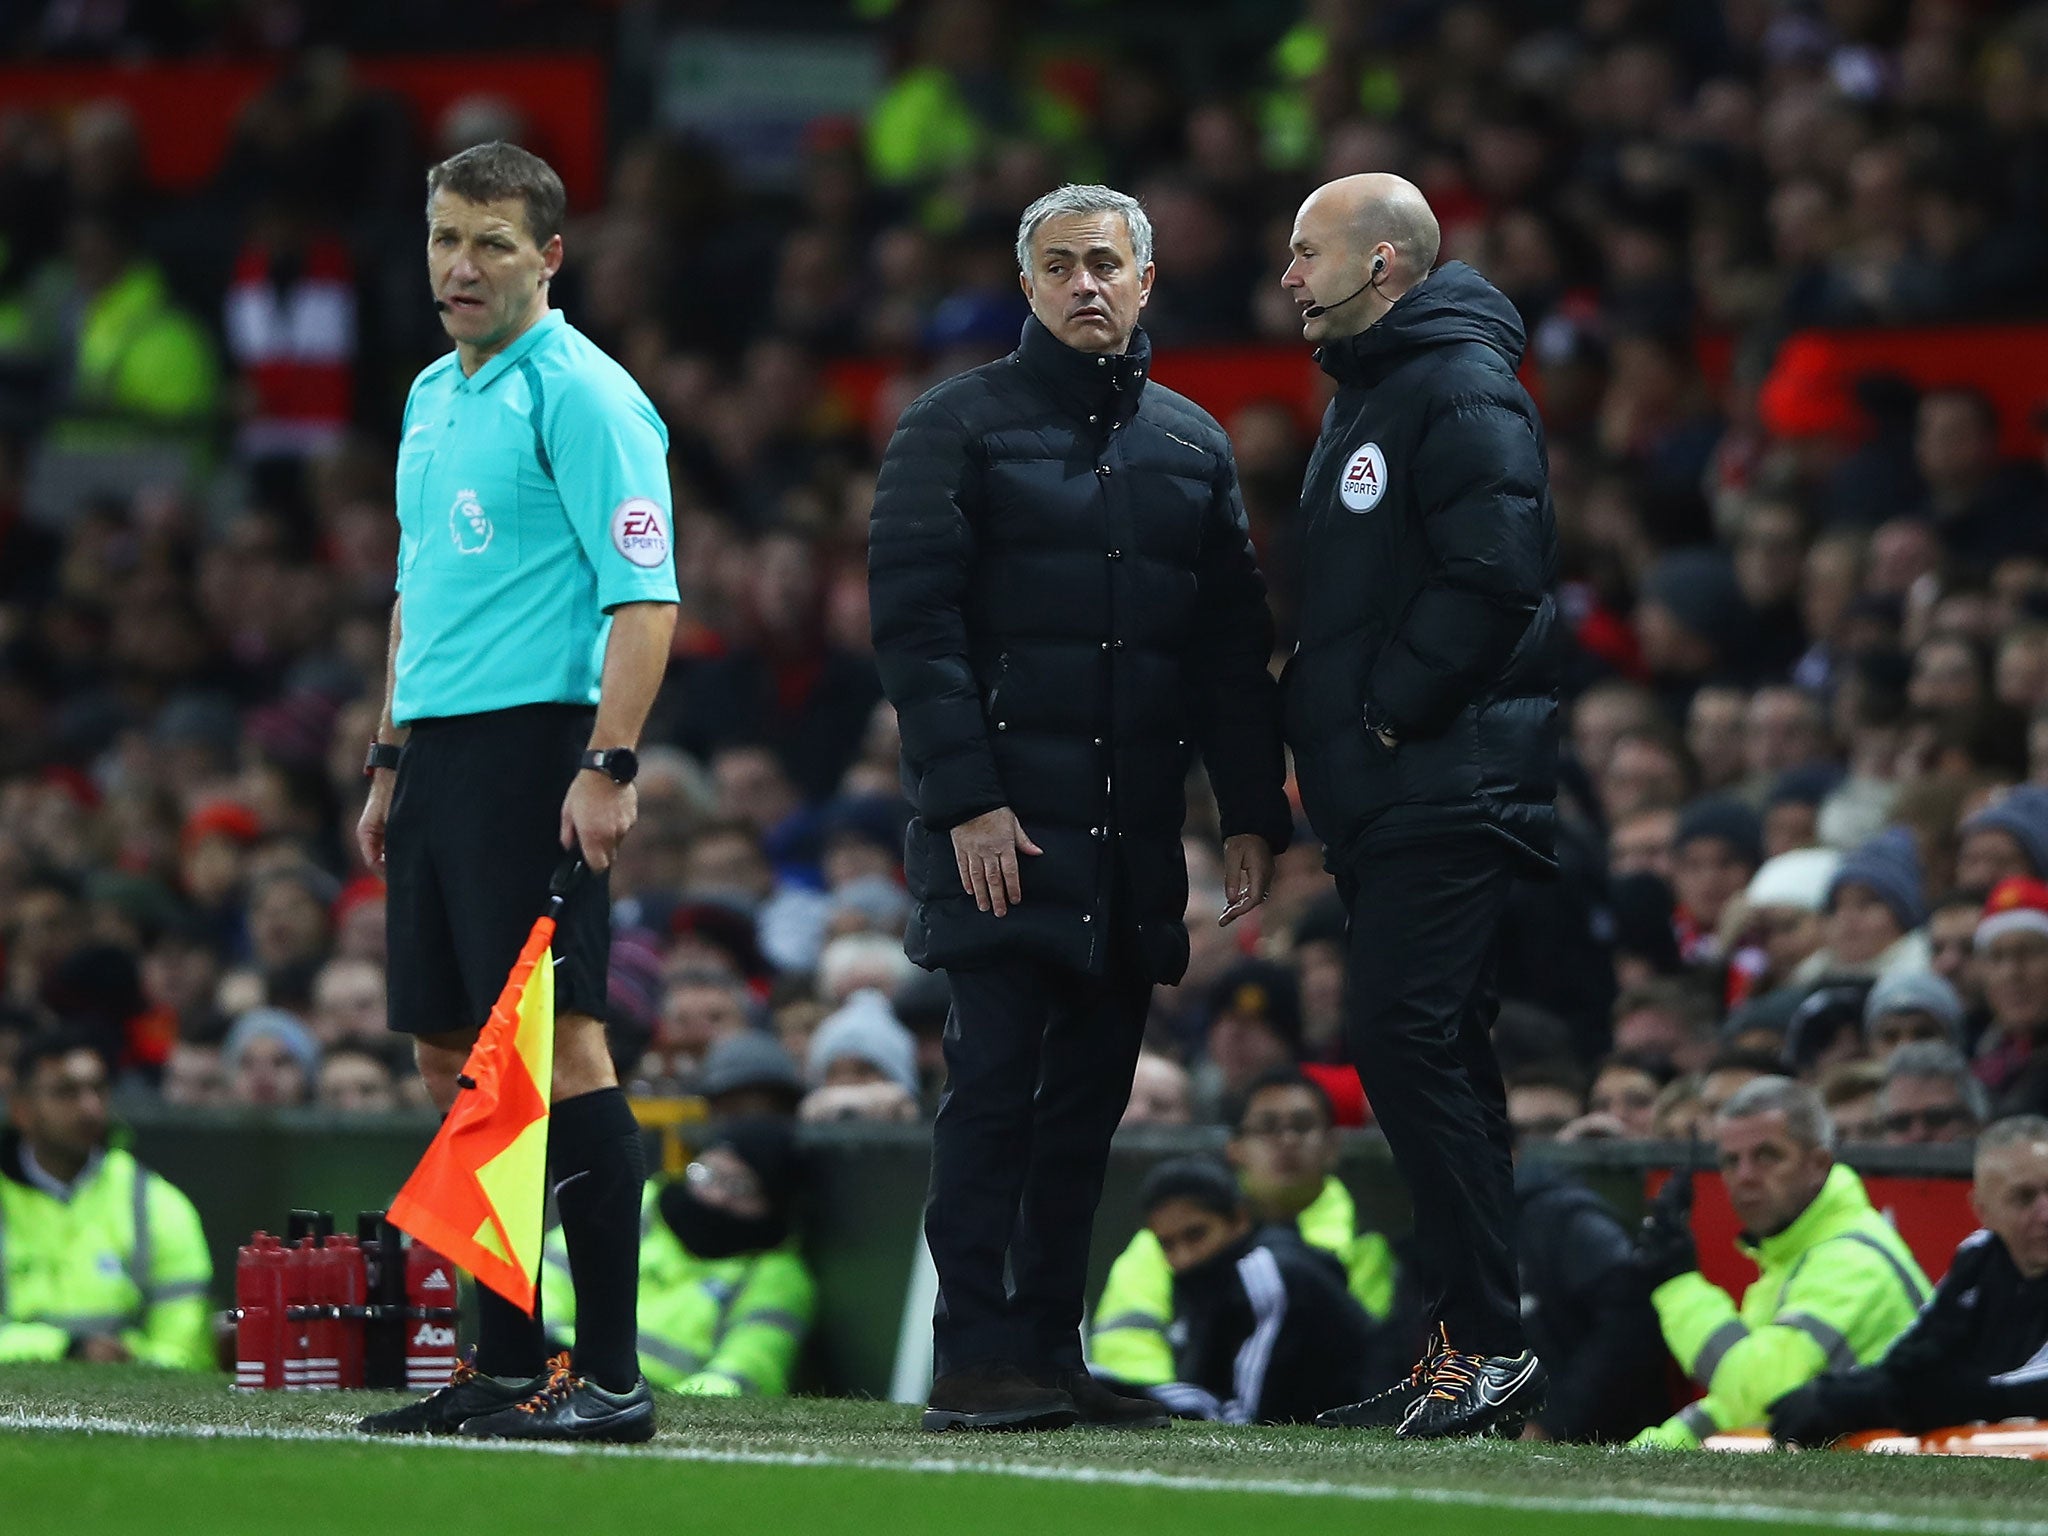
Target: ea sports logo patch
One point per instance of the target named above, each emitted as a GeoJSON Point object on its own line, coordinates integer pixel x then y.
{"type": "Point", "coordinates": [1364, 480]}
{"type": "Point", "coordinates": [640, 532]}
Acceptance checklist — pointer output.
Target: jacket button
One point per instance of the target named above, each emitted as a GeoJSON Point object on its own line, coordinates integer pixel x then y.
{"type": "Point", "coordinates": [1002, 725]}
{"type": "Point", "coordinates": [1117, 645]}
{"type": "Point", "coordinates": [1102, 362]}
{"type": "Point", "coordinates": [1087, 918]}
{"type": "Point", "coordinates": [1102, 469]}
{"type": "Point", "coordinates": [1093, 417]}
{"type": "Point", "coordinates": [1098, 741]}
{"type": "Point", "coordinates": [1116, 554]}
{"type": "Point", "coordinates": [1115, 425]}
{"type": "Point", "coordinates": [1105, 645]}
{"type": "Point", "coordinates": [1182, 742]}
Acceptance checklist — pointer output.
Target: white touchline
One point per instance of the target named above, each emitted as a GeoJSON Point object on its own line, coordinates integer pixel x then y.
{"type": "Point", "coordinates": [1729, 1511]}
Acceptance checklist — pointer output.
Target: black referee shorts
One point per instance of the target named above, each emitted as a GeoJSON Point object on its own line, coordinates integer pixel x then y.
{"type": "Point", "coordinates": [473, 839]}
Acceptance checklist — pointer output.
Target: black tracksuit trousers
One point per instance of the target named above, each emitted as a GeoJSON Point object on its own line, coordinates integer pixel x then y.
{"type": "Point", "coordinates": [1419, 1010]}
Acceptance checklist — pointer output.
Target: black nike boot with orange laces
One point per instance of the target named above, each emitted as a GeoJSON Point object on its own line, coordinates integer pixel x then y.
{"type": "Point", "coordinates": [566, 1407]}
{"type": "Point", "coordinates": [469, 1392]}
{"type": "Point", "coordinates": [1386, 1408]}
{"type": "Point", "coordinates": [1470, 1395]}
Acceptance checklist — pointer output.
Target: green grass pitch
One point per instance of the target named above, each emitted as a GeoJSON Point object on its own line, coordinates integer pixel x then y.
{"type": "Point", "coordinates": [110, 1450]}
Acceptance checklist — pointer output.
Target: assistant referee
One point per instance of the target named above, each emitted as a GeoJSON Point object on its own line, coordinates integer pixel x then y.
{"type": "Point", "coordinates": [536, 601]}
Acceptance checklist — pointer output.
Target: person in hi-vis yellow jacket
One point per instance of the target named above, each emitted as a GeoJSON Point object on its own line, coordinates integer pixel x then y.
{"type": "Point", "coordinates": [100, 1259]}
{"type": "Point", "coordinates": [1836, 1285]}
{"type": "Point", "coordinates": [725, 1299]}
{"type": "Point", "coordinates": [1285, 1152]}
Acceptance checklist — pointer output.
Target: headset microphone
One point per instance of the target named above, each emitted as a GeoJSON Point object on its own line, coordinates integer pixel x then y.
{"type": "Point", "coordinates": [1379, 265]}
{"type": "Point", "coordinates": [443, 305]}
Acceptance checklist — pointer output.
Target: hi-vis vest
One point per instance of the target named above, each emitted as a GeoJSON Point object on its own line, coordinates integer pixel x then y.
{"type": "Point", "coordinates": [1128, 1339]}
{"type": "Point", "coordinates": [709, 1327]}
{"type": "Point", "coordinates": [124, 1256]}
{"type": "Point", "coordinates": [1833, 1290]}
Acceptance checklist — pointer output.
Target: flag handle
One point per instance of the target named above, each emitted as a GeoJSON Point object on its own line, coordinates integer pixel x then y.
{"type": "Point", "coordinates": [566, 876]}
{"type": "Point", "coordinates": [560, 884]}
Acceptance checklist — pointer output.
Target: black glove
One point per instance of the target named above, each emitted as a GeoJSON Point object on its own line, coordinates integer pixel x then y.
{"type": "Point", "coordinates": [1664, 1243]}
{"type": "Point", "coordinates": [1804, 1417]}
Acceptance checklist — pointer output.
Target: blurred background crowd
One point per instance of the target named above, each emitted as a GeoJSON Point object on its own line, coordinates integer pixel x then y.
{"type": "Point", "coordinates": [1806, 807]}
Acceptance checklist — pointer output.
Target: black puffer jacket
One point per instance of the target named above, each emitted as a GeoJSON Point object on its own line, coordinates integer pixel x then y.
{"type": "Point", "coordinates": [1429, 550]}
{"type": "Point", "coordinates": [1066, 607]}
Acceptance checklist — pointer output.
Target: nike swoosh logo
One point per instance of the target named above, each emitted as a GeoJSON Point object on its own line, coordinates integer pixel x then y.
{"type": "Point", "coordinates": [1493, 1394]}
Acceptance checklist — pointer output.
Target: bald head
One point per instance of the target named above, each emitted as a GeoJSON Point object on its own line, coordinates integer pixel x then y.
{"type": "Point", "coordinates": [1340, 229]}
{"type": "Point", "coordinates": [1389, 210]}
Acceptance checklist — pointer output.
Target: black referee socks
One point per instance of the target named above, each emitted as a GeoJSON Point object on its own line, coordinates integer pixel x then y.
{"type": "Point", "coordinates": [509, 1344]}
{"type": "Point", "coordinates": [600, 1170]}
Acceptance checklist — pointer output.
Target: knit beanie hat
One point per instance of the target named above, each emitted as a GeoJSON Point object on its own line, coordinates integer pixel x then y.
{"type": "Point", "coordinates": [1888, 866]}
{"type": "Point", "coordinates": [1915, 991]}
{"type": "Point", "coordinates": [750, 1059]}
{"type": "Point", "coordinates": [284, 1028]}
{"type": "Point", "coordinates": [867, 1030]}
{"type": "Point", "coordinates": [1808, 784]}
{"type": "Point", "coordinates": [1727, 818]}
{"type": "Point", "coordinates": [1698, 588]}
{"type": "Point", "coordinates": [1263, 990]}
{"type": "Point", "coordinates": [2024, 814]}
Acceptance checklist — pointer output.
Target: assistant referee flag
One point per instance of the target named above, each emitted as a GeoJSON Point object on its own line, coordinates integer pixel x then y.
{"type": "Point", "coordinates": [478, 1193]}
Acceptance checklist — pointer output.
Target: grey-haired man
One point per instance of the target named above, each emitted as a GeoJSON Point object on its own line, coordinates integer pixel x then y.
{"type": "Point", "coordinates": [1066, 610]}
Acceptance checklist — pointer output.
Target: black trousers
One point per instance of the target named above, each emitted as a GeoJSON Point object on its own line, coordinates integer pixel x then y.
{"type": "Point", "coordinates": [1418, 1019]}
{"type": "Point", "coordinates": [1039, 1061]}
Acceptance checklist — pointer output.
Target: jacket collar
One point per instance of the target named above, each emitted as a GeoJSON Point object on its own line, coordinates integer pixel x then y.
{"type": "Point", "coordinates": [1361, 358]}
{"type": "Point", "coordinates": [1452, 304]}
{"type": "Point", "coordinates": [12, 1149]}
{"type": "Point", "coordinates": [1087, 383]}
{"type": "Point", "coordinates": [35, 1174]}
{"type": "Point", "coordinates": [496, 367]}
{"type": "Point", "coordinates": [1841, 1200]}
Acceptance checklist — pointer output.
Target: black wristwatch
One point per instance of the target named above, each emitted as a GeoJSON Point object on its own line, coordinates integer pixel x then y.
{"type": "Point", "coordinates": [619, 764]}
{"type": "Point", "coordinates": [382, 755]}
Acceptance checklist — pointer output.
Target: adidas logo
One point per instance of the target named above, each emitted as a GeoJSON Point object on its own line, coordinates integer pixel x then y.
{"type": "Point", "coordinates": [437, 1280]}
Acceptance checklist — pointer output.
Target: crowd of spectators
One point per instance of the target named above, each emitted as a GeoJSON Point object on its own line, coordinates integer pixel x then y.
{"type": "Point", "coordinates": [1805, 821]}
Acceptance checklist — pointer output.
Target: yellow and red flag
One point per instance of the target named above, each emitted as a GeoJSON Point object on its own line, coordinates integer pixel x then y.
{"type": "Point", "coordinates": [478, 1193]}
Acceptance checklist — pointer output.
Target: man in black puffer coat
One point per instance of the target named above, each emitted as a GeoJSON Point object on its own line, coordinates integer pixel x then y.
{"type": "Point", "coordinates": [1421, 705]}
{"type": "Point", "coordinates": [1066, 611]}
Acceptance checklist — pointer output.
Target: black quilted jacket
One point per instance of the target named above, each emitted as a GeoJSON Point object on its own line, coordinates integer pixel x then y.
{"type": "Point", "coordinates": [1428, 549]}
{"type": "Point", "coordinates": [1066, 610]}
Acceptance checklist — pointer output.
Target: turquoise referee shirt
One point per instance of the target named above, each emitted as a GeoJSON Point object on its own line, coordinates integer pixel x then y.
{"type": "Point", "coordinates": [533, 499]}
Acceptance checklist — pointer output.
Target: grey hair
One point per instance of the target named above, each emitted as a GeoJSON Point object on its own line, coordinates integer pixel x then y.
{"type": "Point", "coordinates": [1806, 1113]}
{"type": "Point", "coordinates": [1938, 1059]}
{"type": "Point", "coordinates": [1075, 198]}
{"type": "Point", "coordinates": [2011, 1132]}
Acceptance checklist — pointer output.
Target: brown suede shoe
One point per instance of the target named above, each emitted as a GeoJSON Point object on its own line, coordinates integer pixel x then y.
{"type": "Point", "coordinates": [996, 1397]}
{"type": "Point", "coordinates": [1103, 1407]}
